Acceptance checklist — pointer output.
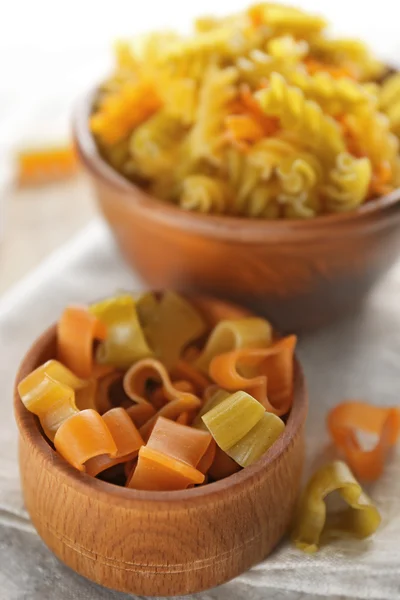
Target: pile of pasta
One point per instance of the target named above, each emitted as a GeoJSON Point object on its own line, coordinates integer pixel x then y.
{"type": "Point", "coordinates": [154, 394]}
{"type": "Point", "coordinates": [260, 114]}
{"type": "Point", "coordinates": [157, 393]}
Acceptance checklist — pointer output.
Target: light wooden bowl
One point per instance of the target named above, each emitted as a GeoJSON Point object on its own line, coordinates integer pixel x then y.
{"type": "Point", "coordinates": [159, 543]}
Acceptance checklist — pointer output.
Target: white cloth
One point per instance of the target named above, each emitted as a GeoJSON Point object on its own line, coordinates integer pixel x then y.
{"type": "Point", "coordinates": [354, 358]}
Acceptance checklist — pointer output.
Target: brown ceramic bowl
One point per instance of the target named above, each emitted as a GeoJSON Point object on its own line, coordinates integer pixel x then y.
{"type": "Point", "coordinates": [159, 543]}
{"type": "Point", "coordinates": [300, 273]}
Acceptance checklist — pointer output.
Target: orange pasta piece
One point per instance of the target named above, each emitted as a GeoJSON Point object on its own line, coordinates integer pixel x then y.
{"type": "Point", "coordinates": [122, 111]}
{"type": "Point", "coordinates": [185, 371]}
{"type": "Point", "coordinates": [77, 329]}
{"type": "Point", "coordinates": [103, 396]}
{"type": "Point", "coordinates": [141, 413]}
{"type": "Point", "coordinates": [348, 417]}
{"type": "Point", "coordinates": [256, 14]}
{"type": "Point", "coordinates": [126, 437]}
{"type": "Point", "coordinates": [183, 418]}
{"type": "Point", "coordinates": [222, 466]}
{"type": "Point", "coordinates": [171, 410]}
{"type": "Point", "coordinates": [158, 398]}
{"type": "Point", "coordinates": [314, 66]}
{"type": "Point", "coordinates": [269, 125]}
{"type": "Point", "coordinates": [46, 164]}
{"type": "Point", "coordinates": [82, 437]}
{"type": "Point", "coordinates": [208, 458]}
{"type": "Point", "coordinates": [179, 441]}
{"type": "Point", "coordinates": [273, 383]}
{"type": "Point", "coordinates": [156, 471]}
{"type": "Point", "coordinates": [243, 128]}
{"type": "Point", "coordinates": [381, 179]}
{"type": "Point", "coordinates": [135, 382]}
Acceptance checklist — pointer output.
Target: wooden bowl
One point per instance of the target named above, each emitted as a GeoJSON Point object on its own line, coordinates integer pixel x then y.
{"type": "Point", "coordinates": [159, 543]}
{"type": "Point", "coordinates": [301, 273]}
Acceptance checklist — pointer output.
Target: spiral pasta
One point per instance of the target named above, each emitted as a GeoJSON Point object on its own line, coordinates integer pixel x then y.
{"type": "Point", "coordinates": [304, 116]}
{"type": "Point", "coordinates": [335, 95]}
{"type": "Point", "coordinates": [216, 93]}
{"type": "Point", "coordinates": [259, 114]}
{"type": "Point", "coordinates": [153, 146]}
{"type": "Point", "coordinates": [389, 101]}
{"type": "Point", "coordinates": [349, 182]}
{"type": "Point", "coordinates": [205, 194]}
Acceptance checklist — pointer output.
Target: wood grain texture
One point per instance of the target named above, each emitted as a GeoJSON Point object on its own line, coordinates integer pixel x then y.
{"type": "Point", "coordinates": [159, 543]}
{"type": "Point", "coordinates": [300, 273]}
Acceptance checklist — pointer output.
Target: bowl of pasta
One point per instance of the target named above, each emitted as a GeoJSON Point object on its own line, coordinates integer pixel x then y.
{"type": "Point", "coordinates": [256, 159]}
{"type": "Point", "coordinates": [138, 469]}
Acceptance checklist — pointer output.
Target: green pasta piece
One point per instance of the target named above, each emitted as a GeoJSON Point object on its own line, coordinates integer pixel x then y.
{"type": "Point", "coordinates": [257, 441]}
{"type": "Point", "coordinates": [233, 418]}
{"type": "Point", "coordinates": [146, 307]}
{"type": "Point", "coordinates": [219, 396]}
{"type": "Point", "coordinates": [173, 325]}
{"type": "Point", "coordinates": [125, 343]}
{"type": "Point", "coordinates": [360, 519]}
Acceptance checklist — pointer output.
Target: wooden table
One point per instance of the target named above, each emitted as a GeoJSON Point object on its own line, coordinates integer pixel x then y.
{"type": "Point", "coordinates": [37, 221]}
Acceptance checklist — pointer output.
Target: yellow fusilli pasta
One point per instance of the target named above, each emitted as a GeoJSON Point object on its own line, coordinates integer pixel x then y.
{"type": "Point", "coordinates": [205, 194]}
{"type": "Point", "coordinates": [303, 116]}
{"type": "Point", "coordinates": [349, 182]}
{"type": "Point", "coordinates": [389, 101]}
{"type": "Point", "coordinates": [257, 114]}
{"type": "Point", "coordinates": [217, 92]}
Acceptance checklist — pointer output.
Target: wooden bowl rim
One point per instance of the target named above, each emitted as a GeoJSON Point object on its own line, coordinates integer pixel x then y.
{"type": "Point", "coordinates": [220, 226]}
{"type": "Point", "coordinates": [29, 428]}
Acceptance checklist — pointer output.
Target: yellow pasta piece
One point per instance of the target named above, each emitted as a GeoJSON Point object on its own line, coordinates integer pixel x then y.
{"type": "Point", "coordinates": [216, 93]}
{"type": "Point", "coordinates": [121, 111]}
{"type": "Point", "coordinates": [49, 392]}
{"type": "Point", "coordinates": [251, 332]}
{"type": "Point", "coordinates": [216, 398]}
{"type": "Point", "coordinates": [349, 183]}
{"type": "Point", "coordinates": [290, 19]}
{"type": "Point", "coordinates": [305, 117]}
{"type": "Point", "coordinates": [125, 343]}
{"type": "Point", "coordinates": [233, 418]}
{"type": "Point", "coordinates": [257, 441]}
{"type": "Point", "coordinates": [205, 194]}
{"type": "Point", "coordinates": [174, 324]}
{"type": "Point", "coordinates": [360, 519]}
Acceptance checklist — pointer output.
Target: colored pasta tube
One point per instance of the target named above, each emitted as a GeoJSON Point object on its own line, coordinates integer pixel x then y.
{"type": "Point", "coordinates": [230, 420]}
{"type": "Point", "coordinates": [49, 392]}
{"type": "Point", "coordinates": [171, 457]}
{"type": "Point", "coordinates": [84, 436]}
{"type": "Point", "coordinates": [43, 165]}
{"type": "Point", "coordinates": [125, 343]}
{"type": "Point", "coordinates": [179, 441]}
{"type": "Point", "coordinates": [257, 441]}
{"type": "Point", "coordinates": [77, 330]}
{"type": "Point", "coordinates": [242, 428]}
{"type": "Point", "coordinates": [141, 413]}
{"type": "Point", "coordinates": [348, 417]}
{"type": "Point", "coordinates": [174, 325]}
{"type": "Point", "coordinates": [269, 373]}
{"type": "Point", "coordinates": [158, 472]}
{"type": "Point", "coordinates": [312, 524]}
{"type": "Point", "coordinates": [126, 437]}
{"type": "Point", "coordinates": [251, 332]}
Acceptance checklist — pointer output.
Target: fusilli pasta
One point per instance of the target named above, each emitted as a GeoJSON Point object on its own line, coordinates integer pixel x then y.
{"type": "Point", "coordinates": [258, 114]}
